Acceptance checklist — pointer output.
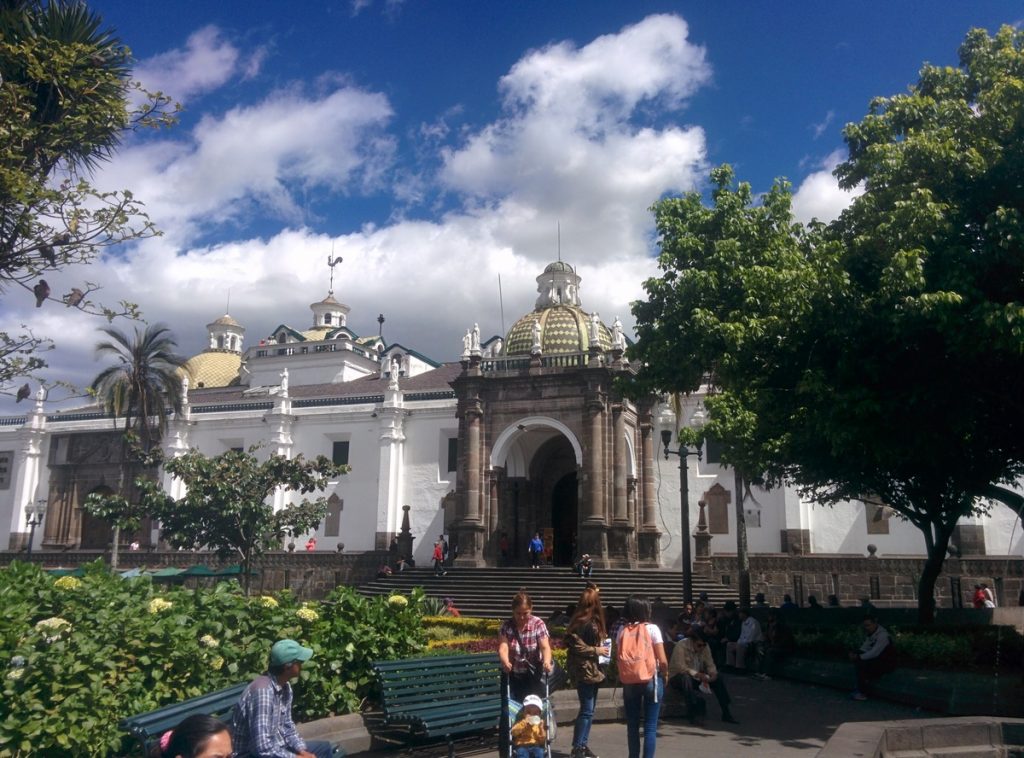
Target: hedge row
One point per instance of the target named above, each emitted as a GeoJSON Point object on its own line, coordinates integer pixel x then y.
{"type": "Point", "coordinates": [80, 654]}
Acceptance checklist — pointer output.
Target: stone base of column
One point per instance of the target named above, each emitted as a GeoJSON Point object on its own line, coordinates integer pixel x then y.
{"type": "Point", "coordinates": [618, 547]}
{"type": "Point", "coordinates": [648, 548]}
{"type": "Point", "coordinates": [702, 554]}
{"type": "Point", "coordinates": [17, 541]}
{"type": "Point", "coordinates": [469, 537]}
{"type": "Point", "coordinates": [593, 539]}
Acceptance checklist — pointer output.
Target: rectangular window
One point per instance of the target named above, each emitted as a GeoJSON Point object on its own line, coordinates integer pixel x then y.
{"type": "Point", "coordinates": [453, 453]}
{"type": "Point", "coordinates": [712, 450]}
{"type": "Point", "coordinates": [339, 453]}
{"type": "Point", "coordinates": [6, 464]}
{"type": "Point", "coordinates": [877, 515]}
{"type": "Point", "coordinates": [238, 450]}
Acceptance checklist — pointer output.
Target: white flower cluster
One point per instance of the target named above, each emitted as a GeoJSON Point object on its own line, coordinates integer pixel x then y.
{"type": "Point", "coordinates": [52, 628]}
{"type": "Point", "coordinates": [158, 605]}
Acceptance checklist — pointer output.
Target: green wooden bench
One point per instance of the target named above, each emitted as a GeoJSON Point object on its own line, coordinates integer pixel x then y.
{"type": "Point", "coordinates": [147, 728]}
{"type": "Point", "coordinates": [441, 697]}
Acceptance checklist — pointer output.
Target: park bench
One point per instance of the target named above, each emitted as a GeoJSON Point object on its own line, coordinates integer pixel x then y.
{"type": "Point", "coordinates": [147, 728]}
{"type": "Point", "coordinates": [441, 697]}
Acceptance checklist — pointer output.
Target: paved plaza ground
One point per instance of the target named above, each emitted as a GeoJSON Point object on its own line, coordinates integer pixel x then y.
{"type": "Point", "coordinates": [778, 718]}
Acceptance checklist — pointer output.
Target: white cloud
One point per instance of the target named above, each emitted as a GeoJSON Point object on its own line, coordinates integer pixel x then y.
{"type": "Point", "coordinates": [820, 128]}
{"type": "Point", "coordinates": [570, 149]}
{"type": "Point", "coordinates": [819, 195]}
{"type": "Point", "coordinates": [575, 147]}
{"type": "Point", "coordinates": [260, 157]}
{"type": "Point", "coordinates": [205, 63]}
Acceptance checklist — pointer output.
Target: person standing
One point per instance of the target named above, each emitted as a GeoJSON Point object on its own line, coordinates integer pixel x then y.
{"type": "Point", "coordinates": [444, 549]}
{"type": "Point", "coordinates": [585, 645]}
{"type": "Point", "coordinates": [640, 655]}
{"type": "Point", "coordinates": [524, 652]}
{"type": "Point", "coordinates": [262, 725]}
{"type": "Point", "coordinates": [438, 558]}
{"type": "Point", "coordinates": [503, 548]}
{"type": "Point", "coordinates": [536, 548]}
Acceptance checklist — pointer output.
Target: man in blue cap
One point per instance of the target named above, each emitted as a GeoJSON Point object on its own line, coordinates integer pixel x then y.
{"type": "Point", "coordinates": [263, 726]}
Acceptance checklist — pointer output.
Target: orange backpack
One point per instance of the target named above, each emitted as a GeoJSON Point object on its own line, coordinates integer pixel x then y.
{"type": "Point", "coordinates": [635, 655]}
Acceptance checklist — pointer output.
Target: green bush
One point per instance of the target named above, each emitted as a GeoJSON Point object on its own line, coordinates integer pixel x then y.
{"type": "Point", "coordinates": [79, 655]}
{"type": "Point", "coordinates": [939, 647]}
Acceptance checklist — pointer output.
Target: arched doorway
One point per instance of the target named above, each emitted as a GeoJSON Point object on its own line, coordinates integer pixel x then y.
{"type": "Point", "coordinates": [564, 518]}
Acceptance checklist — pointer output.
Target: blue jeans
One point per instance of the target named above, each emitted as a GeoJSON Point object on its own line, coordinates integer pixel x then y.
{"type": "Point", "coordinates": [643, 704]}
{"type": "Point", "coordinates": [322, 749]}
{"type": "Point", "coordinates": [588, 699]}
{"type": "Point", "coordinates": [529, 751]}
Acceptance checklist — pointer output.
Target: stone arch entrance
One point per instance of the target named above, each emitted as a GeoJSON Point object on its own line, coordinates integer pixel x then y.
{"type": "Point", "coordinates": [556, 496]}
{"type": "Point", "coordinates": [565, 519]}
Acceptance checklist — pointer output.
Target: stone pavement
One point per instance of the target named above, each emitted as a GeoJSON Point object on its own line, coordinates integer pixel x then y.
{"type": "Point", "coordinates": [778, 719]}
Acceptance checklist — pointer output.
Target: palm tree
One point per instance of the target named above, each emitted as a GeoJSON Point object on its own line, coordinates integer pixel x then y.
{"type": "Point", "coordinates": [143, 387]}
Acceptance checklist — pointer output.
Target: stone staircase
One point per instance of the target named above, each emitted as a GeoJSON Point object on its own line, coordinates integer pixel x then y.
{"type": "Point", "coordinates": [488, 592]}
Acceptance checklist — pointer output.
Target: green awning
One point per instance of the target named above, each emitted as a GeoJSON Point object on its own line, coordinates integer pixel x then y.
{"type": "Point", "coordinates": [66, 572]}
{"type": "Point", "coordinates": [201, 570]}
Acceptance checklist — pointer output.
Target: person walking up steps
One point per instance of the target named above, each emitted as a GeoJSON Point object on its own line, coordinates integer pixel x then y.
{"type": "Point", "coordinates": [536, 549]}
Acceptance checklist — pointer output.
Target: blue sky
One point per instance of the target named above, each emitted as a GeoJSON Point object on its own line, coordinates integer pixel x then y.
{"type": "Point", "coordinates": [438, 145]}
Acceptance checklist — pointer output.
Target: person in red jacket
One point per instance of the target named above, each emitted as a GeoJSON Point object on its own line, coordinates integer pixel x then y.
{"type": "Point", "coordinates": [438, 557]}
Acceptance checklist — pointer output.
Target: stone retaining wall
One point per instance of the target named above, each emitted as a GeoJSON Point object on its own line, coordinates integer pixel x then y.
{"type": "Point", "coordinates": [889, 581]}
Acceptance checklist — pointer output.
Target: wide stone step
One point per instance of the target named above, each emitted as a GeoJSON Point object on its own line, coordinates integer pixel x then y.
{"type": "Point", "coordinates": [488, 592]}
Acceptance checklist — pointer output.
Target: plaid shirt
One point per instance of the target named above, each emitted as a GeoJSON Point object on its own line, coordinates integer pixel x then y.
{"type": "Point", "coordinates": [263, 723]}
{"type": "Point", "coordinates": [535, 631]}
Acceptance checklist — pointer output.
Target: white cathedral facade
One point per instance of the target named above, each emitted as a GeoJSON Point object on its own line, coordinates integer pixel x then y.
{"type": "Point", "coordinates": [524, 433]}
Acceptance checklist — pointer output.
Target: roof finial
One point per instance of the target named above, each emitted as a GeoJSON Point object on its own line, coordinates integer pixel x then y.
{"type": "Point", "coordinates": [332, 262]}
{"type": "Point", "coordinates": [227, 308]}
{"type": "Point", "coordinates": [559, 241]}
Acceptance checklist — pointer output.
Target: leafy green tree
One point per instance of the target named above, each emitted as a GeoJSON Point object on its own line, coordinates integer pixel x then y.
{"type": "Point", "coordinates": [228, 502]}
{"type": "Point", "coordinates": [881, 355]}
{"type": "Point", "coordinates": [142, 388]}
{"type": "Point", "coordinates": [65, 103]}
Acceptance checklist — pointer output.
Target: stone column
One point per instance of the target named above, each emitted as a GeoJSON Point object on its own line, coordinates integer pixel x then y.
{"type": "Point", "coordinates": [648, 536]}
{"type": "Point", "coordinates": [591, 538]}
{"type": "Point", "coordinates": [470, 529]}
{"type": "Point", "coordinates": [26, 474]}
{"type": "Point", "coordinates": [618, 536]}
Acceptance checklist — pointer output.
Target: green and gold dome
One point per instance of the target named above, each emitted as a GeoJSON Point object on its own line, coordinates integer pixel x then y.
{"type": "Point", "coordinates": [564, 325]}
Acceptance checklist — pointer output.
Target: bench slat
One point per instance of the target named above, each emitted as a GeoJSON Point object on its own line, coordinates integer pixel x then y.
{"type": "Point", "coordinates": [148, 727]}
{"type": "Point", "coordinates": [441, 696]}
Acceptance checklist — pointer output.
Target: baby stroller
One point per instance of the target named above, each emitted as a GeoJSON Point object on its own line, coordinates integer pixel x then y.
{"type": "Point", "coordinates": [511, 715]}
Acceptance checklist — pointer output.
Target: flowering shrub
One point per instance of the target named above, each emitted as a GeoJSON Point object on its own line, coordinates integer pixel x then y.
{"type": "Point", "coordinates": [76, 660]}
{"type": "Point", "coordinates": [398, 601]}
{"type": "Point", "coordinates": [68, 583]}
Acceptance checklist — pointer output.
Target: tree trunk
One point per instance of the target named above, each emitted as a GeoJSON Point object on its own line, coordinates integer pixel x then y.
{"type": "Point", "coordinates": [937, 546]}
{"type": "Point", "coordinates": [742, 558]}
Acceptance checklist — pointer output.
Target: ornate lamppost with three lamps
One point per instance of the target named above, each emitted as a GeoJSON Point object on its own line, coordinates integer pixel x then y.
{"type": "Point", "coordinates": [684, 500]}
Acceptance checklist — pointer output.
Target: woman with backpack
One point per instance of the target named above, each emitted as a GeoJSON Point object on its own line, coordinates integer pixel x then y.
{"type": "Point", "coordinates": [640, 657]}
{"type": "Point", "coordinates": [585, 643]}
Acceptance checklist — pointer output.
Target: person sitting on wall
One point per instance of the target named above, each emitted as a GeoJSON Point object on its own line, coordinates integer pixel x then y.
{"type": "Point", "coordinates": [311, 544]}
{"type": "Point", "coordinates": [875, 658]}
{"type": "Point", "coordinates": [692, 673]}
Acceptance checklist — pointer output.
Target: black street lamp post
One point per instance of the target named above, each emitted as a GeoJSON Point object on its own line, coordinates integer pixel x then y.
{"type": "Point", "coordinates": [34, 513]}
{"type": "Point", "coordinates": [684, 505]}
